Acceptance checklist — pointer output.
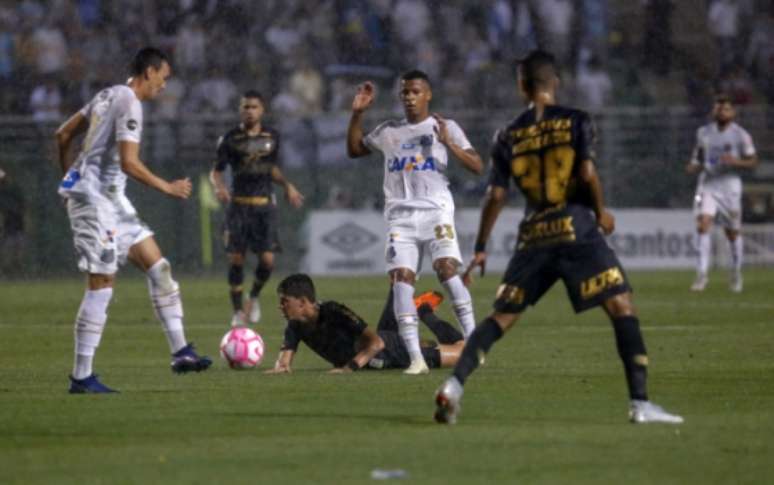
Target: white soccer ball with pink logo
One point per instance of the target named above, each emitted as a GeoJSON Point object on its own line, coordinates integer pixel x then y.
{"type": "Point", "coordinates": [242, 348]}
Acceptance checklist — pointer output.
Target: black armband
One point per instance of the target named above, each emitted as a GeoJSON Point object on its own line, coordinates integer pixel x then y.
{"type": "Point", "coordinates": [353, 365]}
{"type": "Point", "coordinates": [479, 247]}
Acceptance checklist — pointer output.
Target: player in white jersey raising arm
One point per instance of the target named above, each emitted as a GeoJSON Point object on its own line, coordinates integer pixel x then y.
{"type": "Point", "coordinates": [105, 225]}
{"type": "Point", "coordinates": [722, 148]}
{"type": "Point", "coordinates": [419, 207]}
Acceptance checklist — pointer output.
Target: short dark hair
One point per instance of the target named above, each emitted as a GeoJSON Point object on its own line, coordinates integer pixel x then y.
{"type": "Point", "coordinates": [253, 94]}
{"type": "Point", "coordinates": [298, 286]}
{"type": "Point", "coordinates": [537, 69]}
{"type": "Point", "coordinates": [723, 98]}
{"type": "Point", "coordinates": [146, 57]}
{"type": "Point", "coordinates": [415, 74]}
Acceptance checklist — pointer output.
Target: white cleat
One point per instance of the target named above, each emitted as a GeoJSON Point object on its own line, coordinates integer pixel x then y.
{"type": "Point", "coordinates": [699, 283]}
{"type": "Point", "coordinates": [417, 367]}
{"type": "Point", "coordinates": [254, 310]}
{"type": "Point", "coordinates": [238, 319]}
{"type": "Point", "coordinates": [736, 283]}
{"type": "Point", "coordinates": [447, 401]}
{"type": "Point", "coordinates": [641, 412]}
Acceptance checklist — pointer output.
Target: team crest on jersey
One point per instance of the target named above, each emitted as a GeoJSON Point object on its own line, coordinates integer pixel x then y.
{"type": "Point", "coordinates": [426, 140]}
{"type": "Point", "coordinates": [131, 124]}
{"type": "Point", "coordinates": [412, 163]}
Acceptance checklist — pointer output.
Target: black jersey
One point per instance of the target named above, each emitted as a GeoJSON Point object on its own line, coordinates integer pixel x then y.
{"type": "Point", "coordinates": [251, 158]}
{"type": "Point", "coordinates": [543, 158]}
{"type": "Point", "coordinates": [334, 337]}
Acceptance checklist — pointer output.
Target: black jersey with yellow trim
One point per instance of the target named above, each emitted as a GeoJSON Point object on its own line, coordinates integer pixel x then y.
{"type": "Point", "coordinates": [251, 159]}
{"type": "Point", "coordinates": [543, 158]}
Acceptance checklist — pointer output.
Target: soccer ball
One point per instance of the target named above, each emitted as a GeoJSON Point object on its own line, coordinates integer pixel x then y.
{"type": "Point", "coordinates": [242, 348]}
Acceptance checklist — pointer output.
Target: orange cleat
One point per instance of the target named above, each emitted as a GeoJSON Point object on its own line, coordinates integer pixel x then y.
{"type": "Point", "coordinates": [432, 298]}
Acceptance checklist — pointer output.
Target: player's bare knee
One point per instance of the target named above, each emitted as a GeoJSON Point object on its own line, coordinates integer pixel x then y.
{"type": "Point", "coordinates": [505, 320]}
{"type": "Point", "coordinates": [402, 275]}
{"type": "Point", "coordinates": [446, 268]}
{"type": "Point", "coordinates": [620, 305]}
{"type": "Point", "coordinates": [732, 234]}
{"type": "Point", "coordinates": [236, 259]}
{"type": "Point", "coordinates": [99, 281]}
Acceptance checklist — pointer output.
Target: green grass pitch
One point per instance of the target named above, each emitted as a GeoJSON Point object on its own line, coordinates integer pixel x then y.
{"type": "Point", "coordinates": [548, 407]}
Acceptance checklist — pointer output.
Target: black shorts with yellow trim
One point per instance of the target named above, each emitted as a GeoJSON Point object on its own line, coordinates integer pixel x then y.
{"type": "Point", "coordinates": [590, 270]}
{"type": "Point", "coordinates": [251, 227]}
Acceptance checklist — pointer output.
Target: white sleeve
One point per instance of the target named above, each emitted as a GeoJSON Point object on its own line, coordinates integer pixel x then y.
{"type": "Point", "coordinates": [746, 144]}
{"type": "Point", "coordinates": [375, 139]}
{"type": "Point", "coordinates": [698, 150]}
{"type": "Point", "coordinates": [128, 119]}
{"type": "Point", "coordinates": [457, 135]}
{"type": "Point", "coordinates": [86, 110]}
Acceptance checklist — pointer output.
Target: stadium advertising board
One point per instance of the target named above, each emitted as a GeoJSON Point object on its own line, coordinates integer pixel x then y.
{"type": "Point", "coordinates": [343, 242]}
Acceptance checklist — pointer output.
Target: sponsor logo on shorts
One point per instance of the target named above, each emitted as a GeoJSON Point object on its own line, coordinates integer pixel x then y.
{"type": "Point", "coordinates": [131, 124]}
{"type": "Point", "coordinates": [107, 256]}
{"type": "Point", "coordinates": [510, 294]}
{"type": "Point", "coordinates": [349, 238]}
{"type": "Point", "coordinates": [597, 284]}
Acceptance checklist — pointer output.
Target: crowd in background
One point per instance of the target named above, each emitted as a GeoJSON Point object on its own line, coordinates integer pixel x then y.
{"type": "Point", "coordinates": [306, 54]}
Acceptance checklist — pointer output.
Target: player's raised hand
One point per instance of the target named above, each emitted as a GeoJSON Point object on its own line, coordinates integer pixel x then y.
{"type": "Point", "coordinates": [294, 197]}
{"type": "Point", "coordinates": [606, 222]}
{"type": "Point", "coordinates": [180, 188]}
{"type": "Point", "coordinates": [441, 131]}
{"type": "Point", "coordinates": [479, 260]}
{"type": "Point", "coordinates": [365, 95]}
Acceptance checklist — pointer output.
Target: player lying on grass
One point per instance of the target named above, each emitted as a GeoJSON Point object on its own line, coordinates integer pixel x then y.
{"type": "Point", "coordinates": [341, 337]}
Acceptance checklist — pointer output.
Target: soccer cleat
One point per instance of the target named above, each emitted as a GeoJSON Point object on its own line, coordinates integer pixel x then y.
{"type": "Point", "coordinates": [641, 412]}
{"type": "Point", "coordinates": [431, 298]}
{"type": "Point", "coordinates": [736, 283]}
{"type": "Point", "coordinates": [699, 283]}
{"type": "Point", "coordinates": [89, 385]}
{"type": "Point", "coordinates": [186, 360]}
{"type": "Point", "coordinates": [238, 319]}
{"type": "Point", "coordinates": [254, 310]}
{"type": "Point", "coordinates": [417, 367]}
{"type": "Point", "coordinates": [447, 401]}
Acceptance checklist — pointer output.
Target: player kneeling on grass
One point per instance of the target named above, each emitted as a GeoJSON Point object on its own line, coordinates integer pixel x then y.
{"type": "Point", "coordinates": [341, 337]}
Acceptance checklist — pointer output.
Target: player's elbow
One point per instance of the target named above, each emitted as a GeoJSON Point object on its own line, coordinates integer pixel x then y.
{"type": "Point", "coordinates": [62, 136]}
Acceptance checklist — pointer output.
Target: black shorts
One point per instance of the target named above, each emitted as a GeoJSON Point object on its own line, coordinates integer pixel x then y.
{"type": "Point", "coordinates": [395, 355]}
{"type": "Point", "coordinates": [253, 228]}
{"type": "Point", "coordinates": [590, 270]}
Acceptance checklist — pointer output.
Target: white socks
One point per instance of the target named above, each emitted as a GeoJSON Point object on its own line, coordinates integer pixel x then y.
{"type": "Point", "coordinates": [703, 244]}
{"type": "Point", "coordinates": [89, 324]}
{"type": "Point", "coordinates": [737, 254]}
{"type": "Point", "coordinates": [462, 303]}
{"type": "Point", "coordinates": [406, 315]}
{"type": "Point", "coordinates": [165, 296]}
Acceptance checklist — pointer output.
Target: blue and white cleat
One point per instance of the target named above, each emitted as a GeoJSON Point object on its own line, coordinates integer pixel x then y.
{"type": "Point", "coordinates": [447, 401]}
{"type": "Point", "coordinates": [89, 385]}
{"type": "Point", "coordinates": [187, 360]}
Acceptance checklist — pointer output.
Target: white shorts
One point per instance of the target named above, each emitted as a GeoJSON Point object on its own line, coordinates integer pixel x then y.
{"type": "Point", "coordinates": [103, 232]}
{"type": "Point", "coordinates": [725, 206]}
{"type": "Point", "coordinates": [410, 230]}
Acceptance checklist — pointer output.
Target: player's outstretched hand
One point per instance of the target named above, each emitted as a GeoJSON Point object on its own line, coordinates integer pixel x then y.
{"type": "Point", "coordinates": [441, 131]}
{"type": "Point", "coordinates": [366, 93]}
{"type": "Point", "coordinates": [606, 222]}
{"type": "Point", "coordinates": [479, 260]}
{"type": "Point", "coordinates": [294, 197]}
{"type": "Point", "coordinates": [180, 188]}
{"type": "Point", "coordinates": [278, 370]}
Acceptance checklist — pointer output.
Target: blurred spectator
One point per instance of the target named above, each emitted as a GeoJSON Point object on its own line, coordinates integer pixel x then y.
{"type": "Point", "coordinates": [167, 104]}
{"type": "Point", "coordinates": [760, 53]}
{"type": "Point", "coordinates": [306, 85]}
{"type": "Point", "coordinates": [214, 93]}
{"type": "Point", "coordinates": [657, 46]}
{"type": "Point", "coordinates": [593, 86]}
{"type": "Point", "coordinates": [736, 84]}
{"type": "Point", "coordinates": [12, 227]}
{"type": "Point", "coordinates": [46, 101]}
{"type": "Point", "coordinates": [723, 24]}
{"type": "Point", "coordinates": [50, 47]}
{"type": "Point", "coordinates": [411, 23]}
{"type": "Point", "coordinates": [553, 23]}
{"type": "Point", "coordinates": [191, 45]}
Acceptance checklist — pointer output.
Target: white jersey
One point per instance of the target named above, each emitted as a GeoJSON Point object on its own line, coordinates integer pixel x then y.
{"type": "Point", "coordinates": [114, 114]}
{"type": "Point", "coordinates": [711, 144]}
{"type": "Point", "coordinates": [415, 163]}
